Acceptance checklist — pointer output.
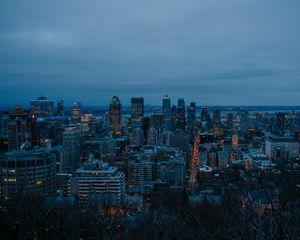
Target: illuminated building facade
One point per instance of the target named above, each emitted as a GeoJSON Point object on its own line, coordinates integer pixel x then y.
{"type": "Point", "coordinates": [235, 142]}
{"type": "Point", "coordinates": [115, 116]}
{"type": "Point", "coordinates": [76, 112]}
{"type": "Point", "coordinates": [97, 178]}
{"type": "Point", "coordinates": [42, 107]}
{"type": "Point", "coordinates": [27, 172]}
{"type": "Point", "coordinates": [88, 125]}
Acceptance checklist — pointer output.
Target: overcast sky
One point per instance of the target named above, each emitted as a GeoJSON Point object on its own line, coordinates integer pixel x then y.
{"type": "Point", "coordinates": [214, 52]}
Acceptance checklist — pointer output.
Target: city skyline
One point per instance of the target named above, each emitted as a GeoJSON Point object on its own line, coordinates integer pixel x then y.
{"type": "Point", "coordinates": [150, 119]}
{"type": "Point", "coordinates": [214, 53]}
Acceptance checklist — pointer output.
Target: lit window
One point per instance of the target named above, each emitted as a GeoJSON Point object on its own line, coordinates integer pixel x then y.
{"type": "Point", "coordinates": [10, 180]}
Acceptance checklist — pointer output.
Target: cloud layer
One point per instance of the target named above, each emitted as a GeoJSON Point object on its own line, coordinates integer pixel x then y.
{"type": "Point", "coordinates": [214, 52]}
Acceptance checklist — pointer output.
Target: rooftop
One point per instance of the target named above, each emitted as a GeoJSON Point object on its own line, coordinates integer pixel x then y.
{"type": "Point", "coordinates": [96, 166]}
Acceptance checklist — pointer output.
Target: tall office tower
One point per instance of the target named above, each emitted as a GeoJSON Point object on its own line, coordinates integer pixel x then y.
{"type": "Point", "coordinates": [180, 114]}
{"type": "Point", "coordinates": [27, 172]}
{"type": "Point", "coordinates": [60, 108]}
{"type": "Point", "coordinates": [244, 120]}
{"type": "Point", "coordinates": [191, 120]}
{"type": "Point", "coordinates": [204, 114]}
{"type": "Point", "coordinates": [280, 123]}
{"type": "Point", "coordinates": [17, 127]}
{"type": "Point", "coordinates": [115, 116]}
{"type": "Point", "coordinates": [42, 107]}
{"type": "Point", "coordinates": [180, 103]}
{"type": "Point", "coordinates": [166, 112]}
{"type": "Point", "coordinates": [76, 112]}
{"type": "Point", "coordinates": [146, 126]}
{"type": "Point", "coordinates": [71, 144]}
{"type": "Point", "coordinates": [217, 117]}
{"type": "Point", "coordinates": [259, 121]}
{"type": "Point", "coordinates": [229, 121]}
{"type": "Point", "coordinates": [173, 117]}
{"type": "Point", "coordinates": [137, 112]}
{"type": "Point", "coordinates": [217, 125]}
{"type": "Point", "coordinates": [98, 181]}
{"type": "Point", "coordinates": [88, 125]}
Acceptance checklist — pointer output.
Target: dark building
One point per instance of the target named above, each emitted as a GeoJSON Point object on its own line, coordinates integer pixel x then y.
{"type": "Point", "coordinates": [4, 119]}
{"type": "Point", "coordinates": [217, 116]}
{"type": "Point", "coordinates": [156, 121]}
{"type": "Point", "coordinates": [191, 120]}
{"type": "Point", "coordinates": [204, 114]}
{"type": "Point", "coordinates": [27, 172]}
{"type": "Point", "coordinates": [174, 117]}
{"type": "Point", "coordinates": [167, 112]}
{"type": "Point", "coordinates": [72, 147]}
{"type": "Point", "coordinates": [280, 124]}
{"type": "Point", "coordinates": [180, 114]}
{"type": "Point", "coordinates": [17, 127]}
{"type": "Point", "coordinates": [230, 121]}
{"type": "Point", "coordinates": [179, 139]}
{"type": "Point", "coordinates": [137, 112]}
{"type": "Point", "coordinates": [60, 108]}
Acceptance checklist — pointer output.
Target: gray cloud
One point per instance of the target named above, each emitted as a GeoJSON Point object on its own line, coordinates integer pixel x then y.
{"type": "Point", "coordinates": [213, 52]}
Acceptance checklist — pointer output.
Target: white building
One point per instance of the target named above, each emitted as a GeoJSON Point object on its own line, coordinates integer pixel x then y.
{"type": "Point", "coordinates": [287, 144]}
{"type": "Point", "coordinates": [95, 178]}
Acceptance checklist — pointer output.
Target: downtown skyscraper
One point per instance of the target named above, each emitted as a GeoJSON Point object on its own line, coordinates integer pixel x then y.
{"type": "Point", "coordinates": [137, 112]}
{"type": "Point", "coordinates": [115, 116]}
{"type": "Point", "coordinates": [167, 112]}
